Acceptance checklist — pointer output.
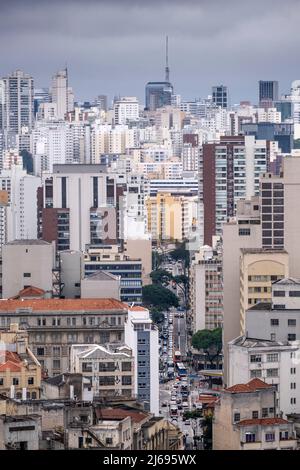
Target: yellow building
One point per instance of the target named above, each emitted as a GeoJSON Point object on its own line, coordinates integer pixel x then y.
{"type": "Point", "coordinates": [258, 269]}
{"type": "Point", "coordinates": [170, 217]}
{"type": "Point", "coordinates": [20, 371]}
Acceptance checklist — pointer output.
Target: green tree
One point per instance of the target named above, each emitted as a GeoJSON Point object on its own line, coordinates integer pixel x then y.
{"type": "Point", "coordinates": [181, 254]}
{"type": "Point", "coordinates": [183, 283]}
{"type": "Point", "coordinates": [157, 315]}
{"type": "Point", "coordinates": [207, 432]}
{"type": "Point", "coordinates": [158, 296]}
{"type": "Point", "coordinates": [157, 259]}
{"type": "Point", "coordinates": [210, 341]}
{"type": "Point", "coordinates": [161, 276]}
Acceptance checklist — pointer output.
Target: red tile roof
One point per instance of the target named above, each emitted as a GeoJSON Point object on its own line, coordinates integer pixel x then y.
{"type": "Point", "coordinates": [73, 305]}
{"type": "Point", "coordinates": [262, 422]}
{"type": "Point", "coordinates": [120, 413]}
{"type": "Point", "coordinates": [30, 291]}
{"type": "Point", "coordinates": [10, 361]}
{"type": "Point", "coordinates": [252, 386]}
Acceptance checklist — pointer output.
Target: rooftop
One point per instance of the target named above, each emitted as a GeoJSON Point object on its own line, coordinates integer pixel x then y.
{"type": "Point", "coordinates": [262, 422]}
{"type": "Point", "coordinates": [10, 361]}
{"type": "Point", "coordinates": [119, 414]}
{"type": "Point", "coordinates": [255, 342]}
{"type": "Point", "coordinates": [64, 305]}
{"type": "Point", "coordinates": [287, 281]}
{"type": "Point", "coordinates": [252, 386]}
{"type": "Point", "coordinates": [101, 276]}
{"type": "Point", "coordinates": [28, 241]}
{"type": "Point", "coordinates": [30, 291]}
{"type": "Point", "coordinates": [262, 250]}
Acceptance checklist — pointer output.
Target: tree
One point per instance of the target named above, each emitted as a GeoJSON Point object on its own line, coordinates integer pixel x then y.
{"type": "Point", "coordinates": [157, 315]}
{"type": "Point", "coordinates": [157, 259]}
{"type": "Point", "coordinates": [158, 296]}
{"type": "Point", "coordinates": [210, 341]}
{"type": "Point", "coordinates": [180, 253]}
{"type": "Point", "coordinates": [207, 432]}
{"type": "Point", "coordinates": [161, 276]}
{"type": "Point", "coordinates": [182, 282]}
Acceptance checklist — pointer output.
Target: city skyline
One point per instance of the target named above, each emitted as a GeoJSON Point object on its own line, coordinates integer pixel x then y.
{"type": "Point", "coordinates": [116, 48]}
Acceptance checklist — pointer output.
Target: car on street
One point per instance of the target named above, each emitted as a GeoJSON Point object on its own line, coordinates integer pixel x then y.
{"type": "Point", "coordinates": [185, 405]}
{"type": "Point", "coordinates": [164, 404]}
{"type": "Point", "coordinates": [187, 422]}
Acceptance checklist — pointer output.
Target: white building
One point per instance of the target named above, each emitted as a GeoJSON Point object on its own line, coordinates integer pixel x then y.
{"type": "Point", "coordinates": [126, 109]}
{"type": "Point", "coordinates": [276, 363]}
{"type": "Point", "coordinates": [141, 335]}
{"type": "Point", "coordinates": [60, 93]}
{"type": "Point", "coordinates": [21, 212]}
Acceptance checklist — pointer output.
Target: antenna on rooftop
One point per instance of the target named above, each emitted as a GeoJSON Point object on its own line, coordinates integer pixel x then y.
{"type": "Point", "coordinates": [167, 70]}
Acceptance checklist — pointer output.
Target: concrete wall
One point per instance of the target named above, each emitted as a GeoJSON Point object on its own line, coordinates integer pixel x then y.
{"type": "Point", "coordinates": [96, 288]}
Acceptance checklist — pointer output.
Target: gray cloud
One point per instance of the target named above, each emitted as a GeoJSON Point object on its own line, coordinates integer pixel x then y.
{"type": "Point", "coordinates": [117, 46]}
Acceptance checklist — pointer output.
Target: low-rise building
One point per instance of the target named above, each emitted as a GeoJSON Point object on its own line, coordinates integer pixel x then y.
{"type": "Point", "coordinates": [101, 284]}
{"type": "Point", "coordinates": [246, 418]}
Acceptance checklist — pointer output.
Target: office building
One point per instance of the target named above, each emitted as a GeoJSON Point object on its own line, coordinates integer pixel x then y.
{"type": "Point", "coordinates": [158, 94]}
{"type": "Point", "coordinates": [220, 96]}
{"type": "Point", "coordinates": [246, 419]}
{"type": "Point", "coordinates": [126, 109]}
{"type": "Point", "coordinates": [41, 95]}
{"type": "Point", "coordinates": [19, 104]}
{"type": "Point", "coordinates": [141, 335]}
{"type": "Point", "coordinates": [62, 94]}
{"type": "Point", "coordinates": [268, 93]}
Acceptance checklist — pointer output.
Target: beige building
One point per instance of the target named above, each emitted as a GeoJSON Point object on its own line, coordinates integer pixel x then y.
{"type": "Point", "coordinates": [240, 421]}
{"type": "Point", "coordinates": [242, 232]}
{"type": "Point", "coordinates": [20, 371]}
{"type": "Point", "coordinates": [258, 269]}
{"type": "Point", "coordinates": [27, 263]}
{"type": "Point", "coordinates": [171, 217]}
{"type": "Point", "coordinates": [100, 284]}
{"type": "Point", "coordinates": [291, 179]}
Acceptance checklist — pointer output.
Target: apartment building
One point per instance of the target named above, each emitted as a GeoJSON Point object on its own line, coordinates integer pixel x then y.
{"type": "Point", "coordinates": [258, 269]}
{"type": "Point", "coordinates": [246, 418]}
{"type": "Point", "coordinates": [206, 290]}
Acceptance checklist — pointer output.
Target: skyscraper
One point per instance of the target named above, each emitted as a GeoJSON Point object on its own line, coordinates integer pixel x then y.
{"type": "Point", "coordinates": [220, 95]}
{"type": "Point", "coordinates": [18, 105]}
{"type": "Point", "coordinates": [61, 93]}
{"type": "Point", "coordinates": [268, 92]}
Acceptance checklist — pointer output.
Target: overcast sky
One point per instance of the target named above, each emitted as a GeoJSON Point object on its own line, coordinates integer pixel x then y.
{"type": "Point", "coordinates": [115, 46]}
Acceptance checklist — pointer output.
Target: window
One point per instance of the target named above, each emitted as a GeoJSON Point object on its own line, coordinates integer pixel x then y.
{"type": "Point", "coordinates": [15, 381]}
{"type": "Point", "coordinates": [40, 351]}
{"type": "Point", "coordinates": [274, 322]}
{"type": "Point", "coordinates": [254, 414]}
{"type": "Point", "coordinates": [294, 293]}
{"type": "Point", "coordinates": [56, 351]}
{"type": "Point", "coordinates": [293, 370]}
{"type": "Point", "coordinates": [126, 366]}
{"type": "Point", "coordinates": [271, 410]}
{"type": "Point", "coordinates": [291, 322]}
{"type": "Point", "coordinates": [250, 437]}
{"type": "Point", "coordinates": [293, 401]}
{"type": "Point", "coordinates": [27, 275]}
{"type": "Point", "coordinates": [255, 358]}
{"type": "Point", "coordinates": [236, 417]}
{"type": "Point", "coordinates": [279, 293]}
{"type": "Point", "coordinates": [291, 337]}
{"type": "Point", "coordinates": [273, 357]}
{"type": "Point", "coordinates": [264, 412]}
{"type": "Point", "coordinates": [126, 380]}
{"type": "Point", "coordinates": [293, 385]}
{"type": "Point", "coordinates": [244, 231]}
{"type": "Point", "coordinates": [279, 306]}
{"type": "Point", "coordinates": [270, 437]}
{"type": "Point", "coordinates": [86, 367]}
{"type": "Point", "coordinates": [30, 380]}
{"type": "Point", "coordinates": [283, 435]}
{"type": "Point", "coordinates": [272, 372]}
{"type": "Point", "coordinates": [56, 363]}
{"type": "Point", "coordinates": [255, 373]}
{"type": "Point", "coordinates": [109, 440]}
{"type": "Point", "coordinates": [273, 337]}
